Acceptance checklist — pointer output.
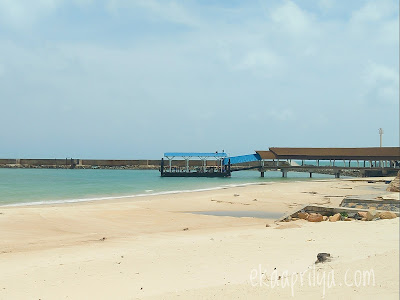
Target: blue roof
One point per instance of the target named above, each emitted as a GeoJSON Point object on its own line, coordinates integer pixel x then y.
{"type": "Point", "coordinates": [195, 154]}
{"type": "Point", "coordinates": [242, 159]}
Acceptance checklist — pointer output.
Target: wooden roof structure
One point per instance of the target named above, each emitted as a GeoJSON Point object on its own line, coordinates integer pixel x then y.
{"type": "Point", "coordinates": [266, 154]}
{"type": "Point", "coordinates": [371, 153]}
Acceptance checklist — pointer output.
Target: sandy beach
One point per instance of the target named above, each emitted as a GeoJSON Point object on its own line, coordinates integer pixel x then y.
{"type": "Point", "coordinates": [154, 248]}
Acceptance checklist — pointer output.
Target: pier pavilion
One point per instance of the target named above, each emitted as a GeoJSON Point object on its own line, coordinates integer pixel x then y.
{"type": "Point", "coordinates": [218, 169]}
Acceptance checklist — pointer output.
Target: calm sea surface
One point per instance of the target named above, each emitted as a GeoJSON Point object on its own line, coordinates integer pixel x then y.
{"type": "Point", "coordinates": [35, 186]}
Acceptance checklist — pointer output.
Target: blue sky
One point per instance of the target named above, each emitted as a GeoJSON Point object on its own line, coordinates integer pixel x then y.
{"type": "Point", "coordinates": [137, 78]}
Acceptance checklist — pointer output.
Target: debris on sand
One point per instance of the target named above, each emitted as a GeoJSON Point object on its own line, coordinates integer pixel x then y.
{"type": "Point", "coordinates": [323, 257]}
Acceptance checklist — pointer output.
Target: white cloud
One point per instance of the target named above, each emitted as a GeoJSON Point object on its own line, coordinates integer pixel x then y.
{"type": "Point", "coordinates": [260, 59]}
{"type": "Point", "coordinates": [325, 5]}
{"type": "Point", "coordinates": [292, 18]}
{"type": "Point", "coordinates": [20, 13]}
{"type": "Point", "coordinates": [171, 11]}
{"type": "Point", "coordinates": [382, 83]}
{"type": "Point", "coordinates": [281, 115]}
{"type": "Point", "coordinates": [24, 13]}
{"type": "Point", "coordinates": [374, 11]}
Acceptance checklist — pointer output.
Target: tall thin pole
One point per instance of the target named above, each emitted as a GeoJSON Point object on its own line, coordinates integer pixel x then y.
{"type": "Point", "coordinates": [380, 135]}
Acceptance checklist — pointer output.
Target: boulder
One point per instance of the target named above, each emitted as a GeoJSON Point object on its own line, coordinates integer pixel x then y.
{"type": "Point", "coordinates": [362, 214]}
{"type": "Point", "coordinates": [372, 214]}
{"type": "Point", "coordinates": [302, 215]}
{"type": "Point", "coordinates": [325, 218]}
{"type": "Point", "coordinates": [387, 215]}
{"type": "Point", "coordinates": [315, 218]}
{"type": "Point", "coordinates": [348, 219]}
{"type": "Point", "coordinates": [394, 186]}
{"type": "Point", "coordinates": [335, 217]}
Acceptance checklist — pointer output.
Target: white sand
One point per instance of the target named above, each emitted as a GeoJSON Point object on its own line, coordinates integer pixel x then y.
{"type": "Point", "coordinates": [57, 252]}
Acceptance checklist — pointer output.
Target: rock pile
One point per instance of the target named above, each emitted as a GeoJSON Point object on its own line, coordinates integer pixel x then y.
{"type": "Point", "coordinates": [394, 186]}
{"type": "Point", "coordinates": [371, 215]}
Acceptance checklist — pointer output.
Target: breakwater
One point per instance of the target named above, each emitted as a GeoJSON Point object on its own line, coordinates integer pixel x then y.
{"type": "Point", "coordinates": [72, 163]}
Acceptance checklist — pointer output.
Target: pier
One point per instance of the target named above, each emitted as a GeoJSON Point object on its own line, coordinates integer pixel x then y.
{"type": "Point", "coordinates": [367, 162]}
{"type": "Point", "coordinates": [373, 161]}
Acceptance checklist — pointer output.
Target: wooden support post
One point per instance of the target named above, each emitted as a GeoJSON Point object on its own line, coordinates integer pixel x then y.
{"type": "Point", "coordinates": [310, 174]}
{"type": "Point", "coordinates": [284, 173]}
{"type": "Point", "coordinates": [262, 174]}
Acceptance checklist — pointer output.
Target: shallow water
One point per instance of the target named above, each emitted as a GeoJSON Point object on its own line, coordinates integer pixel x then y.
{"type": "Point", "coordinates": [242, 214]}
{"type": "Point", "coordinates": [36, 186]}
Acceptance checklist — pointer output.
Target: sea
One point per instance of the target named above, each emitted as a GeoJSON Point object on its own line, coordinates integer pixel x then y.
{"type": "Point", "coordinates": [51, 186]}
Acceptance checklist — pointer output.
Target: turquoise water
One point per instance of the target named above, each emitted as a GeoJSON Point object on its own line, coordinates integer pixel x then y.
{"type": "Point", "coordinates": [35, 186]}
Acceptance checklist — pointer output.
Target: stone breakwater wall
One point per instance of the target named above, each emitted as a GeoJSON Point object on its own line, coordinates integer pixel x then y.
{"type": "Point", "coordinates": [69, 163]}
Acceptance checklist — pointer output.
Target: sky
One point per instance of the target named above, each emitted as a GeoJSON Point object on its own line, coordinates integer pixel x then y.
{"type": "Point", "coordinates": [132, 79]}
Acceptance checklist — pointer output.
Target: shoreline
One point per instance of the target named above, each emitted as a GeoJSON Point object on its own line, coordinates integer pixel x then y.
{"type": "Point", "coordinates": [80, 250]}
{"type": "Point", "coordinates": [173, 192]}
{"type": "Point", "coordinates": [165, 192]}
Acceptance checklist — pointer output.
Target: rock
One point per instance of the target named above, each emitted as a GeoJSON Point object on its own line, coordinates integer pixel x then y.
{"type": "Point", "coordinates": [364, 219]}
{"type": "Point", "coordinates": [295, 219]}
{"type": "Point", "coordinates": [322, 257]}
{"type": "Point", "coordinates": [335, 217]}
{"type": "Point", "coordinates": [325, 218]}
{"type": "Point", "coordinates": [362, 214]}
{"type": "Point", "coordinates": [302, 215]}
{"type": "Point", "coordinates": [387, 215]}
{"type": "Point", "coordinates": [372, 214]}
{"type": "Point", "coordinates": [348, 219]}
{"type": "Point", "coordinates": [394, 186]}
{"type": "Point", "coordinates": [315, 218]}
